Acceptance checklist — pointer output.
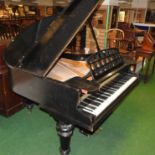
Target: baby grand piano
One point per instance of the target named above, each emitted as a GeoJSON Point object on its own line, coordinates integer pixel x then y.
{"type": "Point", "coordinates": [75, 93]}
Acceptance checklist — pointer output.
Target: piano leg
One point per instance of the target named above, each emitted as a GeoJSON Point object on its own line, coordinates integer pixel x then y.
{"type": "Point", "coordinates": [65, 132]}
{"type": "Point", "coordinates": [28, 104]}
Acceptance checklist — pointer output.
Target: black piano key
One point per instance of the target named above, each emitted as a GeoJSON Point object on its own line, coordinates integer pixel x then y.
{"type": "Point", "coordinates": [87, 106]}
{"type": "Point", "coordinates": [96, 103]}
{"type": "Point", "coordinates": [108, 91]}
{"type": "Point", "coordinates": [103, 95]}
{"type": "Point", "coordinates": [84, 108]}
{"type": "Point", "coordinates": [110, 88]}
{"type": "Point", "coordinates": [122, 81]}
{"type": "Point", "coordinates": [91, 102]}
{"type": "Point", "coordinates": [98, 95]}
{"type": "Point", "coordinates": [95, 98]}
{"type": "Point", "coordinates": [115, 85]}
{"type": "Point", "coordinates": [125, 78]}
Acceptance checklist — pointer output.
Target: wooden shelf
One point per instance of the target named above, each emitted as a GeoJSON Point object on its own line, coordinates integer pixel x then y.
{"type": "Point", "coordinates": [10, 103]}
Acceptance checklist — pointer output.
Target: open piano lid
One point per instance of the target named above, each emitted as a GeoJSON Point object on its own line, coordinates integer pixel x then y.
{"type": "Point", "coordinates": [38, 48]}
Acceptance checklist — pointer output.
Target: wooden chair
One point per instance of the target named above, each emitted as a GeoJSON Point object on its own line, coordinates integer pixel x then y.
{"type": "Point", "coordinates": [114, 36]}
{"type": "Point", "coordinates": [125, 41]}
{"type": "Point", "coordinates": [127, 46]}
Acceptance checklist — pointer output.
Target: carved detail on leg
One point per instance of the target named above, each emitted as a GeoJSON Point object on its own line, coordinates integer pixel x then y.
{"type": "Point", "coordinates": [65, 132]}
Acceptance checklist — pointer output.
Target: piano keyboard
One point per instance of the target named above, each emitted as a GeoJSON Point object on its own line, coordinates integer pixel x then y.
{"type": "Point", "coordinates": [98, 101]}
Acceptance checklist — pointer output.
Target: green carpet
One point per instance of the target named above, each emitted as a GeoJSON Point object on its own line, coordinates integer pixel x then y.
{"type": "Point", "coordinates": [130, 130]}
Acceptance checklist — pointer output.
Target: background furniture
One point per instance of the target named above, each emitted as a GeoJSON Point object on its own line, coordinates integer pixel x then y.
{"type": "Point", "coordinates": [114, 36]}
{"type": "Point", "coordinates": [125, 41]}
{"type": "Point", "coordinates": [147, 52]}
{"type": "Point", "coordinates": [9, 101]}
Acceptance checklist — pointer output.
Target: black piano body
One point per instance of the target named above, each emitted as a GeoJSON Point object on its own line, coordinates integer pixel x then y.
{"type": "Point", "coordinates": [35, 52]}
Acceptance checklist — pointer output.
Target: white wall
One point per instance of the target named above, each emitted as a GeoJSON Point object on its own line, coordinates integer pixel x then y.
{"type": "Point", "coordinates": [151, 5]}
{"type": "Point", "coordinates": [140, 4]}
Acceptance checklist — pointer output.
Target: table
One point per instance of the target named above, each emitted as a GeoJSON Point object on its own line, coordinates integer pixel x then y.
{"type": "Point", "coordinates": [144, 26]}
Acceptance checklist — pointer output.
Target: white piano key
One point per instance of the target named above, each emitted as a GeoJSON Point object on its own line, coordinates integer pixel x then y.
{"type": "Point", "coordinates": [90, 105]}
{"type": "Point", "coordinates": [94, 98]}
{"type": "Point", "coordinates": [105, 103]}
{"type": "Point", "coordinates": [86, 108]}
{"type": "Point", "coordinates": [113, 97]}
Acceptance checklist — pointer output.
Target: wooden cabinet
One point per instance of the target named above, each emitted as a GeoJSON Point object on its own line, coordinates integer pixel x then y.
{"type": "Point", "coordinates": [9, 101]}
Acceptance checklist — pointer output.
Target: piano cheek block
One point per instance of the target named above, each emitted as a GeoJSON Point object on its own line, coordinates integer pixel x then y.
{"type": "Point", "coordinates": [81, 83]}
